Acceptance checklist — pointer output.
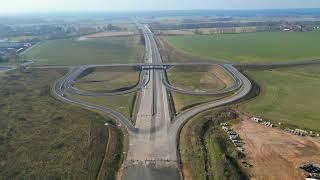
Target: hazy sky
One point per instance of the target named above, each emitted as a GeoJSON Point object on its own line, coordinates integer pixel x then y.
{"type": "Point", "coordinates": [124, 5]}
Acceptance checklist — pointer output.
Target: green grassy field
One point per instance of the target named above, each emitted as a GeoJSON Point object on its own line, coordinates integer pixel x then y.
{"type": "Point", "coordinates": [185, 101]}
{"type": "Point", "coordinates": [288, 95]}
{"type": "Point", "coordinates": [43, 138]}
{"type": "Point", "coordinates": [204, 79]}
{"type": "Point", "coordinates": [263, 47]}
{"type": "Point", "coordinates": [191, 153]}
{"type": "Point", "coordinates": [108, 81]}
{"type": "Point", "coordinates": [221, 155]}
{"type": "Point", "coordinates": [120, 103]}
{"type": "Point", "coordinates": [211, 78]}
{"type": "Point", "coordinates": [94, 51]}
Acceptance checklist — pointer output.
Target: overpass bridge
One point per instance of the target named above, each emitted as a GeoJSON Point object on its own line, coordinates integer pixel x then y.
{"type": "Point", "coordinates": [153, 66]}
{"type": "Point", "coordinates": [138, 65]}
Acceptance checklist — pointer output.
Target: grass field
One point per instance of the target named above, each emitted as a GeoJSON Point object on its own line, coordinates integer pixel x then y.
{"type": "Point", "coordinates": [288, 95]}
{"type": "Point", "coordinates": [211, 78]}
{"type": "Point", "coordinates": [205, 150]}
{"type": "Point", "coordinates": [108, 81]}
{"type": "Point", "coordinates": [43, 138]}
{"type": "Point", "coordinates": [94, 51]}
{"type": "Point", "coordinates": [263, 47]}
{"type": "Point", "coordinates": [191, 153]}
{"type": "Point", "coordinates": [185, 101]}
{"type": "Point", "coordinates": [120, 103]}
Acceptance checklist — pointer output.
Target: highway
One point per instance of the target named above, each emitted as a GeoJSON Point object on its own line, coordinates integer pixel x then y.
{"type": "Point", "coordinates": [153, 138]}
{"type": "Point", "coordinates": [151, 147]}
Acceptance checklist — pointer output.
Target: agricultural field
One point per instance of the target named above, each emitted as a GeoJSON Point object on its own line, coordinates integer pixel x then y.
{"type": "Point", "coordinates": [43, 138]}
{"type": "Point", "coordinates": [288, 95]}
{"type": "Point", "coordinates": [208, 31]}
{"type": "Point", "coordinates": [106, 34]}
{"type": "Point", "coordinates": [176, 32]}
{"type": "Point", "coordinates": [109, 81]}
{"type": "Point", "coordinates": [91, 51]}
{"type": "Point", "coordinates": [262, 47]}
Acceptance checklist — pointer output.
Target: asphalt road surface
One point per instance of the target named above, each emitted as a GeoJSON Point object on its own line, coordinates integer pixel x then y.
{"type": "Point", "coordinates": [152, 152]}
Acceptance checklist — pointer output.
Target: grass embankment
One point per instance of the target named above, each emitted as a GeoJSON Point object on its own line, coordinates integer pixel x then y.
{"type": "Point", "coordinates": [184, 101]}
{"type": "Point", "coordinates": [92, 51]}
{"type": "Point", "coordinates": [262, 47]}
{"type": "Point", "coordinates": [206, 152]}
{"type": "Point", "coordinates": [120, 103]}
{"type": "Point", "coordinates": [199, 78]}
{"type": "Point", "coordinates": [209, 79]}
{"type": "Point", "coordinates": [288, 95]}
{"type": "Point", "coordinates": [108, 81]}
{"type": "Point", "coordinates": [43, 138]}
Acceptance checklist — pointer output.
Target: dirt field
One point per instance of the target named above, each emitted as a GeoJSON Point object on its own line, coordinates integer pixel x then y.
{"type": "Point", "coordinates": [177, 32]}
{"type": "Point", "coordinates": [276, 154]}
{"type": "Point", "coordinates": [106, 34]}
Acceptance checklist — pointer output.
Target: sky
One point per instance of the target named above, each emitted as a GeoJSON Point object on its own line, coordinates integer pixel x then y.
{"type": "Point", "coordinates": [16, 6]}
